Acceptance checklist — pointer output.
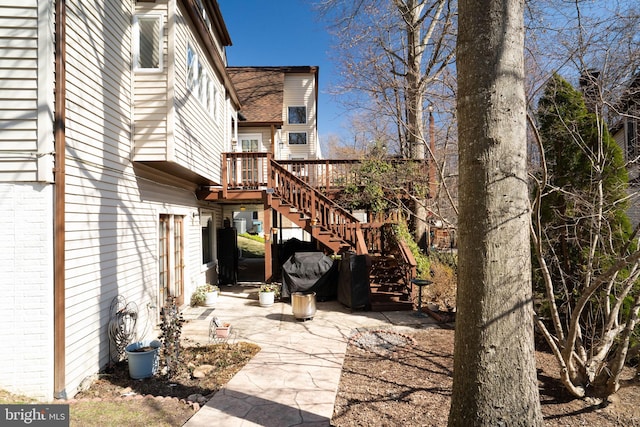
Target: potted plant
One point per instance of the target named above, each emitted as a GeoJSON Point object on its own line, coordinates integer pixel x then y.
{"type": "Point", "coordinates": [268, 293]}
{"type": "Point", "coordinates": [206, 295]}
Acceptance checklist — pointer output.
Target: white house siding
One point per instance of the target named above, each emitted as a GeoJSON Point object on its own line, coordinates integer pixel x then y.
{"type": "Point", "coordinates": [112, 207]}
{"type": "Point", "coordinates": [199, 136]}
{"type": "Point", "coordinates": [103, 226]}
{"type": "Point", "coordinates": [299, 89]}
{"type": "Point", "coordinates": [26, 71]}
{"type": "Point", "coordinates": [150, 98]}
{"type": "Point", "coordinates": [26, 144]}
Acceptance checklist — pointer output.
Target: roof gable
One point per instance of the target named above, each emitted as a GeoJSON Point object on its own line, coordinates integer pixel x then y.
{"type": "Point", "coordinates": [261, 92]}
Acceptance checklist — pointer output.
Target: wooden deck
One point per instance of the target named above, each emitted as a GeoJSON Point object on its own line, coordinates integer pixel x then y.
{"type": "Point", "coordinates": [299, 190]}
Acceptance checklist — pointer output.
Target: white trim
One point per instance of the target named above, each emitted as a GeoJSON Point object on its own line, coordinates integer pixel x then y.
{"type": "Point", "coordinates": [213, 235]}
{"type": "Point", "coordinates": [45, 92]}
{"type": "Point", "coordinates": [136, 42]}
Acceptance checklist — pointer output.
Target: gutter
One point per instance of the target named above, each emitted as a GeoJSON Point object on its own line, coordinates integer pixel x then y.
{"type": "Point", "coordinates": [59, 315]}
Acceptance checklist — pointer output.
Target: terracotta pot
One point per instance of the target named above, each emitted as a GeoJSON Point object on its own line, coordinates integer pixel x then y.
{"type": "Point", "coordinates": [223, 331]}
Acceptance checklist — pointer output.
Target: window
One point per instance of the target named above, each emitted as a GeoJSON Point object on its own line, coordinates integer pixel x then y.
{"type": "Point", "coordinates": [200, 82]}
{"type": "Point", "coordinates": [297, 138]}
{"type": "Point", "coordinates": [249, 144]}
{"type": "Point", "coordinates": [203, 13]}
{"type": "Point", "coordinates": [213, 106]}
{"type": "Point", "coordinates": [208, 237]}
{"type": "Point", "coordinates": [192, 78]}
{"type": "Point", "coordinates": [297, 115]}
{"type": "Point", "coordinates": [148, 35]}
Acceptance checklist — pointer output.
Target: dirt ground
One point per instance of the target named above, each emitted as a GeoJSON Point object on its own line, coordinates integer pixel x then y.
{"type": "Point", "coordinates": [178, 397]}
{"type": "Point", "coordinates": [382, 385]}
{"type": "Point", "coordinates": [412, 386]}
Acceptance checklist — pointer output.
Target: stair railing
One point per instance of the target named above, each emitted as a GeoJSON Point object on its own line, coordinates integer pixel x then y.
{"type": "Point", "coordinates": [322, 211]}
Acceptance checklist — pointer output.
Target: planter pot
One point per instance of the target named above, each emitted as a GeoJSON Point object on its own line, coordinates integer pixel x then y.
{"type": "Point", "coordinates": [266, 298]}
{"type": "Point", "coordinates": [211, 298]}
{"type": "Point", "coordinates": [223, 331]}
{"type": "Point", "coordinates": [143, 358]}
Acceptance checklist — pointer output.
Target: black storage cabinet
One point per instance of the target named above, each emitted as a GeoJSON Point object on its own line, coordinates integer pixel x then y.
{"type": "Point", "coordinates": [353, 281]}
{"type": "Point", "coordinates": [227, 256]}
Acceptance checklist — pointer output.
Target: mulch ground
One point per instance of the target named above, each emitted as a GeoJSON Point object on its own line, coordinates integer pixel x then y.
{"type": "Point", "coordinates": [384, 385]}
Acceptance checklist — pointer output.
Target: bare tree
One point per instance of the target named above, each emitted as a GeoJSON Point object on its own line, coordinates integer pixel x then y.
{"type": "Point", "coordinates": [494, 378]}
{"type": "Point", "coordinates": [394, 59]}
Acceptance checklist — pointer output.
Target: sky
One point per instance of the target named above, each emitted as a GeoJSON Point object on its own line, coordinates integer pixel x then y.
{"type": "Point", "coordinates": [284, 33]}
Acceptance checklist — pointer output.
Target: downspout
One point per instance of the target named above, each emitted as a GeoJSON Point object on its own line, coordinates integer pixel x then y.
{"type": "Point", "coordinates": [59, 363]}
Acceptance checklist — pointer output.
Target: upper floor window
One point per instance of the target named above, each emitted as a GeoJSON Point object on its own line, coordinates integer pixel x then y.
{"type": "Point", "coordinates": [200, 82]}
{"type": "Point", "coordinates": [297, 138]}
{"type": "Point", "coordinates": [297, 115]}
{"type": "Point", "coordinates": [203, 13]}
{"type": "Point", "coordinates": [147, 42]}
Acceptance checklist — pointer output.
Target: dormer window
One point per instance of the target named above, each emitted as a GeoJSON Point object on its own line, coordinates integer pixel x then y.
{"type": "Point", "coordinates": [297, 115]}
{"type": "Point", "coordinates": [147, 42]}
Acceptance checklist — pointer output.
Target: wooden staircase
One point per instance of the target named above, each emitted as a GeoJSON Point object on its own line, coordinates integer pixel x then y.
{"type": "Point", "coordinates": [386, 285]}
{"type": "Point", "coordinates": [330, 224]}
{"type": "Point", "coordinates": [327, 222]}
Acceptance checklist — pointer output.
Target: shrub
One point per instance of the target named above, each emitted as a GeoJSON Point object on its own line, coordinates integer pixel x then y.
{"type": "Point", "coordinates": [423, 270]}
{"type": "Point", "coordinates": [444, 287]}
{"type": "Point", "coordinates": [171, 326]}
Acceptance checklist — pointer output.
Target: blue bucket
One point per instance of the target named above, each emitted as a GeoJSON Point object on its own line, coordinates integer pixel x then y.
{"type": "Point", "coordinates": [143, 358]}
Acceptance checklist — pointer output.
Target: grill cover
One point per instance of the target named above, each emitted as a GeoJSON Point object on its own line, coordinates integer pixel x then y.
{"type": "Point", "coordinates": [310, 272]}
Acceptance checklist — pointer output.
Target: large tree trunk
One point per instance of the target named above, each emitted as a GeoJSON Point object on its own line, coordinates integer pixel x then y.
{"type": "Point", "coordinates": [411, 12]}
{"type": "Point", "coordinates": [494, 366]}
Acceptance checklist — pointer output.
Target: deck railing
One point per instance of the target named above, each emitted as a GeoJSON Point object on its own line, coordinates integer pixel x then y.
{"type": "Point", "coordinates": [322, 211]}
{"type": "Point", "coordinates": [250, 170]}
{"type": "Point", "coordinates": [325, 175]}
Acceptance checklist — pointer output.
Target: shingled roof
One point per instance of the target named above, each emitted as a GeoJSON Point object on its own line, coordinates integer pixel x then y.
{"type": "Point", "coordinates": [261, 91]}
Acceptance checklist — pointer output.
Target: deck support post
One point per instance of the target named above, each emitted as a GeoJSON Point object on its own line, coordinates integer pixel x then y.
{"type": "Point", "coordinates": [268, 241]}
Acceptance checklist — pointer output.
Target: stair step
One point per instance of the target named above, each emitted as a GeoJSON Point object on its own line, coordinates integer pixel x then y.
{"type": "Point", "coordinates": [390, 306]}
